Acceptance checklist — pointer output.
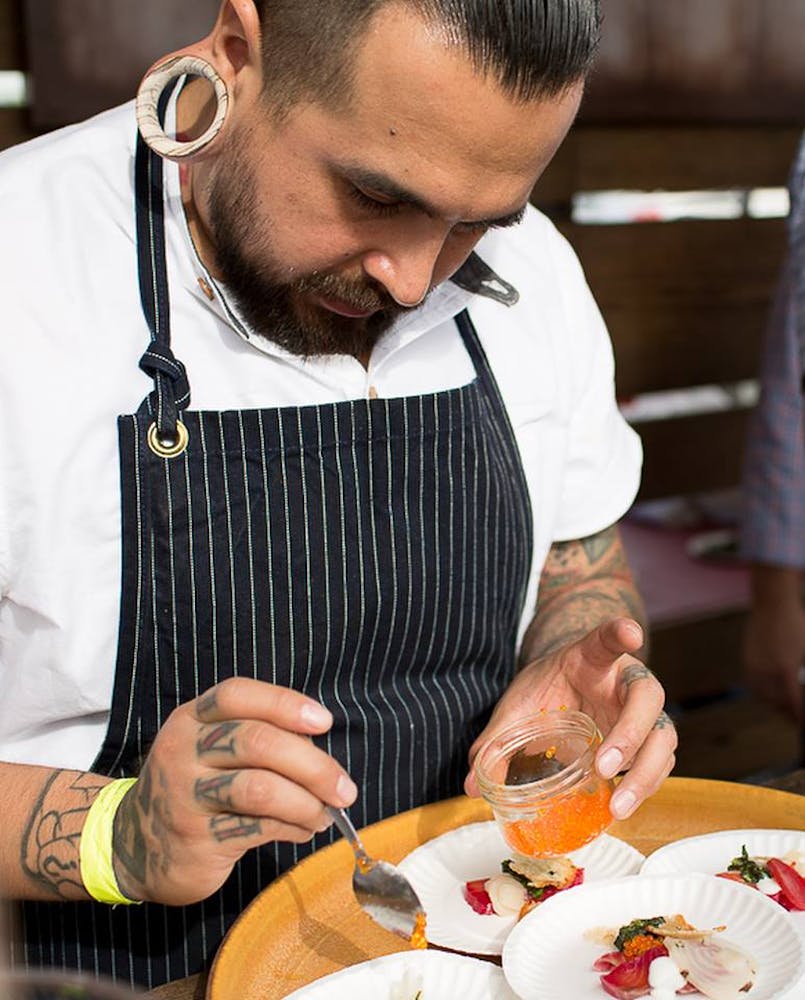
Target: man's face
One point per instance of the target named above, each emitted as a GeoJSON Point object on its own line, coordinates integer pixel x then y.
{"type": "Point", "coordinates": [330, 223]}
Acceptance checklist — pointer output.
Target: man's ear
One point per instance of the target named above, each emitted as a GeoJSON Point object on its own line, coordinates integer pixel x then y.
{"type": "Point", "coordinates": [235, 42]}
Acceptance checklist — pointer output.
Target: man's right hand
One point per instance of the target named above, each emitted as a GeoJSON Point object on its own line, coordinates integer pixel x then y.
{"type": "Point", "coordinates": [229, 771]}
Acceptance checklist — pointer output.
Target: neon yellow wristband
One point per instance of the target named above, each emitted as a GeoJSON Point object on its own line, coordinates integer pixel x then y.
{"type": "Point", "coordinates": [95, 846]}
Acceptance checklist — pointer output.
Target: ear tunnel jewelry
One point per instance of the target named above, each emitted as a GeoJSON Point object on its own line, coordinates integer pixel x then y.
{"type": "Point", "coordinates": [148, 97]}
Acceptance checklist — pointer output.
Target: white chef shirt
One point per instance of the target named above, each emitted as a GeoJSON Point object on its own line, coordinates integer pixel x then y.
{"type": "Point", "coordinates": [73, 332]}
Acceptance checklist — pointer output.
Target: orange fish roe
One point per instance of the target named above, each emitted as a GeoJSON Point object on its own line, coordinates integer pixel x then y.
{"type": "Point", "coordinates": [418, 939]}
{"type": "Point", "coordinates": [636, 945]}
{"type": "Point", "coordinates": [562, 825]}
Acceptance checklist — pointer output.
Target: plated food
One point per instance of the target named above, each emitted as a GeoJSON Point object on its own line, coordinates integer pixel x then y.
{"type": "Point", "coordinates": [440, 870]}
{"type": "Point", "coordinates": [520, 885]}
{"type": "Point", "coordinates": [777, 878]}
{"type": "Point", "coordinates": [663, 956]}
{"type": "Point", "coordinates": [556, 951]}
{"type": "Point", "coordinates": [744, 856]}
{"type": "Point", "coordinates": [415, 975]}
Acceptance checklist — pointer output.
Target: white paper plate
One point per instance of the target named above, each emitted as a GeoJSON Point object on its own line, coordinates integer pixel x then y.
{"type": "Point", "coordinates": [439, 868]}
{"type": "Point", "coordinates": [547, 956]}
{"type": "Point", "coordinates": [712, 852]}
{"type": "Point", "coordinates": [398, 977]}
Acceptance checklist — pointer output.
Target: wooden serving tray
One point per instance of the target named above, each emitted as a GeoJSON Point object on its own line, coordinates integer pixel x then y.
{"type": "Point", "coordinates": [307, 924]}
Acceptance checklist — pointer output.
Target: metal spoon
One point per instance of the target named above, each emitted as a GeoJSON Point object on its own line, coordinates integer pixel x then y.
{"type": "Point", "coordinates": [381, 889]}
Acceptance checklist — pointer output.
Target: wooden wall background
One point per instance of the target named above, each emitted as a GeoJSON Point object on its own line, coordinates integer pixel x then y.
{"type": "Point", "coordinates": [15, 123]}
{"type": "Point", "coordinates": [686, 95]}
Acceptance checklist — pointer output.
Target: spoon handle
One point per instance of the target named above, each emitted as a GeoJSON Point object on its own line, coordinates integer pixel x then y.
{"type": "Point", "coordinates": [344, 824]}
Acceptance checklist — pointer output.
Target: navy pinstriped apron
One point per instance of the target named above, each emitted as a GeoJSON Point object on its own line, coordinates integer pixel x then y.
{"type": "Point", "coordinates": [373, 553]}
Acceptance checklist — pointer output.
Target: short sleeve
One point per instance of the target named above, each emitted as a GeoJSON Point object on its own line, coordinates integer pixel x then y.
{"type": "Point", "coordinates": [604, 457]}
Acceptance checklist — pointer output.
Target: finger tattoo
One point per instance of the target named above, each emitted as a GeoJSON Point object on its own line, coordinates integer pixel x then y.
{"type": "Point", "coordinates": [664, 721]}
{"type": "Point", "coordinates": [218, 739]}
{"type": "Point", "coordinates": [231, 826]}
{"type": "Point", "coordinates": [215, 791]}
{"type": "Point", "coordinates": [206, 703]}
{"type": "Point", "coordinates": [635, 672]}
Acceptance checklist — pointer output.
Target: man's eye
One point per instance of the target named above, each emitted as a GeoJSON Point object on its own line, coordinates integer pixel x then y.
{"type": "Point", "coordinates": [471, 228]}
{"type": "Point", "coordinates": [372, 204]}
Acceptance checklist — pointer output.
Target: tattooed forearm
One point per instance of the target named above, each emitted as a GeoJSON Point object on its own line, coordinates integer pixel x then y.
{"type": "Point", "coordinates": [49, 849]}
{"type": "Point", "coordinates": [583, 583]}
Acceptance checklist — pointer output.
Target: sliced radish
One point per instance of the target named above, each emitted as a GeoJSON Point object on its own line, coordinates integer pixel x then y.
{"type": "Point", "coordinates": [718, 969]}
{"type": "Point", "coordinates": [506, 894]}
{"type": "Point", "coordinates": [792, 884]}
{"type": "Point", "coordinates": [476, 895]}
{"type": "Point", "coordinates": [629, 980]}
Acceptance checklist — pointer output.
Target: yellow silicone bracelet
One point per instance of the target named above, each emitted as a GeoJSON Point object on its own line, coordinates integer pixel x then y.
{"type": "Point", "coordinates": [95, 846]}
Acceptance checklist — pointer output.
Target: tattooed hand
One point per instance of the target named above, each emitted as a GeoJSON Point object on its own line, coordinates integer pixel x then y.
{"type": "Point", "coordinates": [233, 769]}
{"type": "Point", "coordinates": [600, 675]}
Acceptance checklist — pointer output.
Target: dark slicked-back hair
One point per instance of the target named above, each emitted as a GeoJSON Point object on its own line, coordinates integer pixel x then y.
{"type": "Point", "coordinates": [531, 48]}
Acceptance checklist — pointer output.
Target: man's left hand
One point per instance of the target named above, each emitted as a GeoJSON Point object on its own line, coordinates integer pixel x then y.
{"type": "Point", "coordinates": [601, 676]}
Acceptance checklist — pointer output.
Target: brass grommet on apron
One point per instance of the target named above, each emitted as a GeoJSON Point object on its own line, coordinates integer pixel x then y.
{"type": "Point", "coordinates": [164, 450]}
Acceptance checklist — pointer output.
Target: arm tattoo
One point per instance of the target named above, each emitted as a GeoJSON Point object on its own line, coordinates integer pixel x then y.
{"type": "Point", "coordinates": [215, 740]}
{"type": "Point", "coordinates": [49, 849]}
{"type": "Point", "coordinates": [584, 583]}
{"type": "Point", "coordinates": [230, 826]}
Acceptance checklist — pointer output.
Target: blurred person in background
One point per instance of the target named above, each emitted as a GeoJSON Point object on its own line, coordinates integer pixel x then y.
{"type": "Point", "coordinates": [773, 529]}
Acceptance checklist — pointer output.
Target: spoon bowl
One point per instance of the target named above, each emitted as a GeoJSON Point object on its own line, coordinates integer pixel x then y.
{"type": "Point", "coordinates": [381, 890]}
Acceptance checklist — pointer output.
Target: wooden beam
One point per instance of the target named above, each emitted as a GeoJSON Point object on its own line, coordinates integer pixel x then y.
{"type": "Point", "coordinates": [681, 158]}
{"type": "Point", "coordinates": [692, 454]}
{"type": "Point", "coordinates": [15, 127]}
{"type": "Point", "coordinates": [685, 302]}
{"type": "Point", "coordinates": [12, 48]}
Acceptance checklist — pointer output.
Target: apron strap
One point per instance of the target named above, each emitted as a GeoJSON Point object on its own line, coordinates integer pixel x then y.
{"type": "Point", "coordinates": [171, 387]}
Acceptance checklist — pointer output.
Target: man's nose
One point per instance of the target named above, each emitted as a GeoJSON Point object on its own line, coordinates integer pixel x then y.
{"type": "Point", "coordinates": [406, 269]}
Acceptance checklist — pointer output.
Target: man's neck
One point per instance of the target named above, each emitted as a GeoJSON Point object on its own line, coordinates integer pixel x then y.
{"type": "Point", "coordinates": [193, 114]}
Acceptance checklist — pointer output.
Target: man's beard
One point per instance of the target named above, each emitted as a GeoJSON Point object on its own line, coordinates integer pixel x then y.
{"type": "Point", "coordinates": [280, 310]}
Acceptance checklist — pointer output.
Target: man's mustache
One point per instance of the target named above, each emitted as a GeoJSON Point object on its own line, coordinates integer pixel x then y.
{"type": "Point", "coordinates": [361, 296]}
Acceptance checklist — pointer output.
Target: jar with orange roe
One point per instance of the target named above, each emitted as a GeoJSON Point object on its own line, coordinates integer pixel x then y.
{"type": "Point", "coordinates": [539, 777]}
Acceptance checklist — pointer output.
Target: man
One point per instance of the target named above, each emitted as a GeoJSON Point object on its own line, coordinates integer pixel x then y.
{"type": "Point", "coordinates": [330, 564]}
{"type": "Point", "coordinates": [773, 536]}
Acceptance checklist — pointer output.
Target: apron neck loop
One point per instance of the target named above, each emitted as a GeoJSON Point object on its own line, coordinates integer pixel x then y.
{"type": "Point", "coordinates": [171, 388]}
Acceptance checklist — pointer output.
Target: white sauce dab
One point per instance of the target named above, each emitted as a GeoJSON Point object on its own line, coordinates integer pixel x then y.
{"type": "Point", "coordinates": [768, 886]}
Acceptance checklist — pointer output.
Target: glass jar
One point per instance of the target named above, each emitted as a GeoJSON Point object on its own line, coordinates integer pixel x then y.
{"type": "Point", "coordinates": [539, 777]}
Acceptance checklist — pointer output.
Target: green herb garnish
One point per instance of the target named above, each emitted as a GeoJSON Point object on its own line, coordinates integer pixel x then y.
{"type": "Point", "coordinates": [627, 932]}
{"type": "Point", "coordinates": [749, 870]}
{"type": "Point", "coordinates": [534, 891]}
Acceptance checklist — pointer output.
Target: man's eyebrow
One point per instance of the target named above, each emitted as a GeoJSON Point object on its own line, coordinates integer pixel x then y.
{"type": "Point", "coordinates": [377, 183]}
